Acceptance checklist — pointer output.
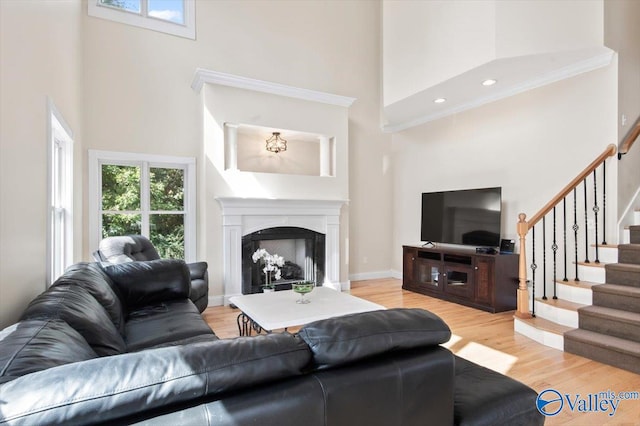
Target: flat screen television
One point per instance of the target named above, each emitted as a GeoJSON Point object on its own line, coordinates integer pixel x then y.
{"type": "Point", "coordinates": [467, 217]}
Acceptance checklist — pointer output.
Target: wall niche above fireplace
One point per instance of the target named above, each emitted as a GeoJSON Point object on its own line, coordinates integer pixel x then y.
{"type": "Point", "coordinates": [307, 153]}
{"type": "Point", "coordinates": [303, 251]}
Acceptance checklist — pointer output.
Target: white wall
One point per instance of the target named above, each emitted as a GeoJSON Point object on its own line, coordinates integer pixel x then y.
{"type": "Point", "coordinates": [428, 42]}
{"type": "Point", "coordinates": [138, 98]}
{"type": "Point", "coordinates": [623, 35]}
{"type": "Point", "coordinates": [531, 145]}
{"type": "Point", "coordinates": [40, 57]}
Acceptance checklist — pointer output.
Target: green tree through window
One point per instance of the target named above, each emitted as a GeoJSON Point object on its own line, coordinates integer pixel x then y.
{"type": "Point", "coordinates": [148, 201]}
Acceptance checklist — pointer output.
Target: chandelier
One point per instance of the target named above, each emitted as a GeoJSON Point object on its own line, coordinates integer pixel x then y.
{"type": "Point", "coordinates": [276, 144]}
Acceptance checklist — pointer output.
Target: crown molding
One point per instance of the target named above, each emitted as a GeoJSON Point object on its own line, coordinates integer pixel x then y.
{"type": "Point", "coordinates": [572, 70]}
{"type": "Point", "coordinates": [203, 76]}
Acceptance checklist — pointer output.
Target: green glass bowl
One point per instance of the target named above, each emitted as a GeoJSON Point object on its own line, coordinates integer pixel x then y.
{"type": "Point", "coordinates": [303, 287]}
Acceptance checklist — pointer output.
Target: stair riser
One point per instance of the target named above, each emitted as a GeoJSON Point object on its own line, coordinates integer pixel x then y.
{"type": "Point", "coordinates": [557, 315]}
{"type": "Point", "coordinates": [547, 338]}
{"type": "Point", "coordinates": [630, 278]}
{"type": "Point", "coordinates": [634, 236]}
{"type": "Point", "coordinates": [616, 301]}
{"type": "Point", "coordinates": [603, 355]}
{"type": "Point", "coordinates": [626, 255]}
{"type": "Point", "coordinates": [575, 294]}
{"type": "Point", "coordinates": [610, 327]}
{"type": "Point", "coordinates": [591, 273]}
{"type": "Point", "coordinates": [606, 254]}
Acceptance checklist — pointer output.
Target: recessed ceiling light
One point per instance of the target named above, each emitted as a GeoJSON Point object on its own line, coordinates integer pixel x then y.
{"type": "Point", "coordinates": [489, 82]}
{"type": "Point", "coordinates": [439, 100]}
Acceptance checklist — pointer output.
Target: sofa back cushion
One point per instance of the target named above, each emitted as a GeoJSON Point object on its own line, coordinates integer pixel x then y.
{"type": "Point", "coordinates": [349, 338]}
{"type": "Point", "coordinates": [146, 283]}
{"type": "Point", "coordinates": [92, 278]}
{"type": "Point", "coordinates": [77, 307]}
{"type": "Point", "coordinates": [35, 345]}
{"type": "Point", "coordinates": [127, 248]}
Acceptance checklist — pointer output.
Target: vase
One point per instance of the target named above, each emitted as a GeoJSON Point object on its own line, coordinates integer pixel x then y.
{"type": "Point", "coordinates": [303, 288]}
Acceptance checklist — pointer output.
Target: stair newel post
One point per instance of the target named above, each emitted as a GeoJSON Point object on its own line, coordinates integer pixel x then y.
{"type": "Point", "coordinates": [523, 292]}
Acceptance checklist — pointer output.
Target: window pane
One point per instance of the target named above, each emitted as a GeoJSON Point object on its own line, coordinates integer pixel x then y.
{"type": "Point", "coordinates": [128, 5]}
{"type": "Point", "coordinates": [167, 10]}
{"type": "Point", "coordinates": [167, 189]}
{"type": "Point", "coordinates": [120, 187]}
{"type": "Point", "coordinates": [120, 224]}
{"type": "Point", "coordinates": [167, 234]}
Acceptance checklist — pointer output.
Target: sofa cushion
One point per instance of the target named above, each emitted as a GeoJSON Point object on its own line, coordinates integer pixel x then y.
{"type": "Point", "coordinates": [77, 307]}
{"type": "Point", "coordinates": [92, 278]}
{"type": "Point", "coordinates": [119, 386]}
{"type": "Point", "coordinates": [483, 397]}
{"type": "Point", "coordinates": [163, 323]}
{"type": "Point", "coordinates": [35, 345]}
{"type": "Point", "coordinates": [149, 282]}
{"type": "Point", "coordinates": [349, 338]}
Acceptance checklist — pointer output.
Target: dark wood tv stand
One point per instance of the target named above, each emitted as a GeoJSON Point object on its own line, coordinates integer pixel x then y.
{"type": "Point", "coordinates": [483, 281]}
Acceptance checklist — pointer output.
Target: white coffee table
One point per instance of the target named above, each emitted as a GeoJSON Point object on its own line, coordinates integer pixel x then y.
{"type": "Point", "coordinates": [272, 311]}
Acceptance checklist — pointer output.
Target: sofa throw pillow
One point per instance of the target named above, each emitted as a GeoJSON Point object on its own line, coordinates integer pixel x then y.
{"type": "Point", "coordinates": [147, 282]}
{"type": "Point", "coordinates": [77, 307]}
{"type": "Point", "coordinates": [349, 338]}
{"type": "Point", "coordinates": [35, 345]}
{"type": "Point", "coordinates": [92, 278]}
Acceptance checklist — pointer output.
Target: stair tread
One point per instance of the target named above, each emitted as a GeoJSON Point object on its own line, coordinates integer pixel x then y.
{"type": "Point", "coordinates": [604, 341]}
{"type": "Point", "coordinates": [562, 304]}
{"type": "Point", "coordinates": [611, 246]}
{"type": "Point", "coordinates": [629, 246]}
{"type": "Point", "coordinates": [593, 264]}
{"type": "Point", "coordinates": [611, 313]}
{"type": "Point", "coordinates": [545, 325]}
{"type": "Point", "coordinates": [580, 284]}
{"type": "Point", "coordinates": [624, 290]}
{"type": "Point", "coordinates": [629, 267]}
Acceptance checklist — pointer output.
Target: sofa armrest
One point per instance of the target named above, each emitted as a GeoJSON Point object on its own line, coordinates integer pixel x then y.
{"type": "Point", "coordinates": [350, 338]}
{"type": "Point", "coordinates": [119, 386]}
{"type": "Point", "coordinates": [198, 270]}
{"type": "Point", "coordinates": [147, 282]}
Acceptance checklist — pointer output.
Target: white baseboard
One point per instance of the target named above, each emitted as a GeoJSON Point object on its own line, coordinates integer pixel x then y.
{"type": "Point", "coordinates": [216, 300]}
{"type": "Point", "coordinates": [371, 275]}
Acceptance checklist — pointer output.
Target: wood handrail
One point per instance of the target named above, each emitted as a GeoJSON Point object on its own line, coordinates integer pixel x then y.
{"type": "Point", "coordinates": [631, 137]}
{"type": "Point", "coordinates": [609, 152]}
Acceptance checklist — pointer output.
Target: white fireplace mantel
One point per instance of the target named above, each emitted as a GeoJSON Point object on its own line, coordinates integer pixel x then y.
{"type": "Point", "coordinates": [243, 216]}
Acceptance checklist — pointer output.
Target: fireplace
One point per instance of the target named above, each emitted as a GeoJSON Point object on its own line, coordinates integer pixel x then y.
{"type": "Point", "coordinates": [245, 216]}
{"type": "Point", "coordinates": [303, 251]}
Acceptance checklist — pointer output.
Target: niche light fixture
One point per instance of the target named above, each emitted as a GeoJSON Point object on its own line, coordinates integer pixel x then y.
{"type": "Point", "coordinates": [276, 144]}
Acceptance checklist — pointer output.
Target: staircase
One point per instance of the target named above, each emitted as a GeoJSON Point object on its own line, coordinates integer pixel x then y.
{"type": "Point", "coordinates": [609, 329]}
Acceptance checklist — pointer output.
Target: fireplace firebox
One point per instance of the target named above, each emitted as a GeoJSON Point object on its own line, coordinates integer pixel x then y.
{"type": "Point", "coordinates": [302, 249]}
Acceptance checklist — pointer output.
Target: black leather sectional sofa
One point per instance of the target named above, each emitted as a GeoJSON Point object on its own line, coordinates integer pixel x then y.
{"type": "Point", "coordinates": [124, 344]}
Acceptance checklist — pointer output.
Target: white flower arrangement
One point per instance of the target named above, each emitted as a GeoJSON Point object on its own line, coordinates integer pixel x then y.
{"type": "Point", "coordinates": [272, 265]}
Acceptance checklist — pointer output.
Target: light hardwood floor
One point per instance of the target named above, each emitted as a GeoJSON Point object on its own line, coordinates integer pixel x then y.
{"type": "Point", "coordinates": [489, 340]}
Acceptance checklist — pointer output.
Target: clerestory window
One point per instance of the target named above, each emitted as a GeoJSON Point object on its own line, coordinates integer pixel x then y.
{"type": "Point", "coordinates": [175, 17]}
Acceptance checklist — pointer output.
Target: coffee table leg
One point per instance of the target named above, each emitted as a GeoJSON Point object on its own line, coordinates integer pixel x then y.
{"type": "Point", "coordinates": [246, 324]}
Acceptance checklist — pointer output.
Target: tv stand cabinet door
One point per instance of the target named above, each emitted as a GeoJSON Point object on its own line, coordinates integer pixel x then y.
{"type": "Point", "coordinates": [459, 281]}
{"type": "Point", "coordinates": [484, 277]}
